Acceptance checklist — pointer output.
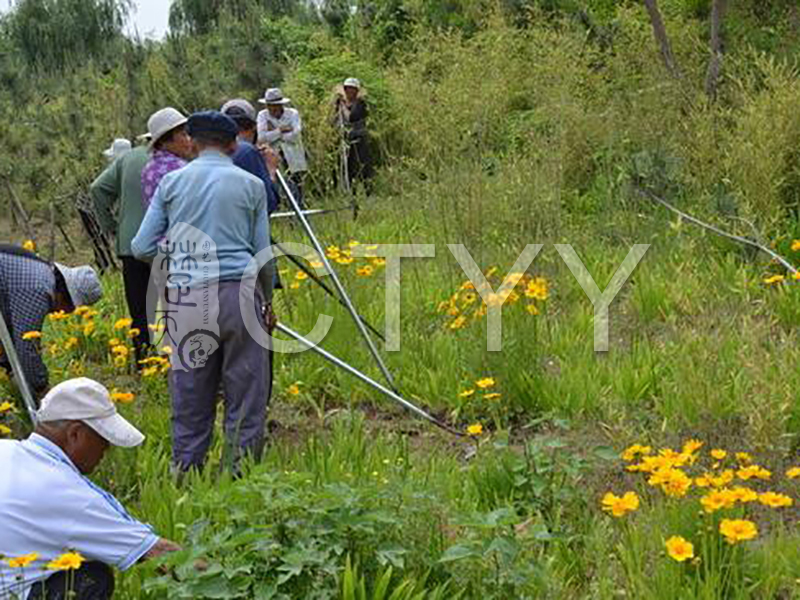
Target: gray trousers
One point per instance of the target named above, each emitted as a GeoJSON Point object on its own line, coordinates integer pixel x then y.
{"type": "Point", "coordinates": [241, 365]}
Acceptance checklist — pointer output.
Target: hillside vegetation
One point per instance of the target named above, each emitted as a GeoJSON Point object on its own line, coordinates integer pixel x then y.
{"type": "Point", "coordinates": [499, 124]}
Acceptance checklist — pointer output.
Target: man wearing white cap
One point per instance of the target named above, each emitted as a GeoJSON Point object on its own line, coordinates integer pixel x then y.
{"type": "Point", "coordinates": [119, 147]}
{"type": "Point", "coordinates": [281, 128]}
{"type": "Point", "coordinates": [49, 507]}
{"type": "Point", "coordinates": [30, 289]}
{"type": "Point", "coordinates": [171, 148]}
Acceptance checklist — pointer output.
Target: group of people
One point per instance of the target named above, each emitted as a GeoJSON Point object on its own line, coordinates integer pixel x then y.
{"type": "Point", "coordinates": [213, 172]}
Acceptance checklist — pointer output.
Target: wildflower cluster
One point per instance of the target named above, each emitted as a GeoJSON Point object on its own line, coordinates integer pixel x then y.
{"type": "Point", "coordinates": [779, 278]}
{"type": "Point", "coordinates": [6, 411]}
{"type": "Point", "coordinates": [722, 483]}
{"type": "Point", "coordinates": [365, 265]}
{"type": "Point", "coordinates": [469, 304]}
{"type": "Point", "coordinates": [479, 397]}
{"type": "Point", "coordinates": [69, 561]}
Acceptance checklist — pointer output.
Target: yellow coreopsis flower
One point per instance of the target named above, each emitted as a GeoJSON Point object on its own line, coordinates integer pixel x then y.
{"type": "Point", "coordinates": [148, 371]}
{"type": "Point", "coordinates": [475, 430]}
{"type": "Point", "coordinates": [4, 430]}
{"type": "Point", "coordinates": [796, 246]}
{"type": "Point", "coordinates": [738, 530]}
{"type": "Point", "coordinates": [123, 397]}
{"type": "Point", "coordinates": [774, 279]}
{"type": "Point", "coordinates": [485, 383]}
{"type": "Point", "coordinates": [717, 500]}
{"type": "Point", "coordinates": [67, 562]}
{"type": "Point", "coordinates": [71, 343]}
{"type": "Point", "coordinates": [301, 275]}
{"type": "Point", "coordinates": [58, 316]}
{"type": "Point", "coordinates": [466, 393]}
{"type": "Point", "coordinates": [679, 549]}
{"type": "Point", "coordinates": [345, 260]}
{"type": "Point", "coordinates": [120, 350]}
{"type": "Point", "coordinates": [618, 506]}
{"type": "Point", "coordinates": [793, 473]}
{"type": "Point", "coordinates": [6, 407]}
{"type": "Point", "coordinates": [458, 322]}
{"type": "Point", "coordinates": [718, 454]}
{"type": "Point", "coordinates": [120, 361]}
{"type": "Point", "coordinates": [531, 309]}
{"type": "Point", "coordinates": [90, 314]}
{"type": "Point", "coordinates": [133, 332]}
{"type": "Point", "coordinates": [79, 310]}
{"type": "Point", "coordinates": [365, 271]}
{"type": "Point", "coordinates": [379, 262]}
{"type": "Point", "coordinates": [32, 335]}
{"type": "Point", "coordinates": [294, 389]}
{"type": "Point", "coordinates": [722, 479]}
{"type": "Point", "coordinates": [493, 396]}
{"type": "Point", "coordinates": [752, 471]}
{"type": "Point", "coordinates": [775, 500]}
{"type": "Point", "coordinates": [631, 452]}
{"type": "Point", "coordinates": [20, 562]}
{"type": "Point", "coordinates": [744, 494]}
{"type": "Point", "coordinates": [677, 484]}
{"type": "Point", "coordinates": [88, 329]}
{"type": "Point", "coordinates": [692, 446]}
{"type": "Point", "coordinates": [123, 323]}
{"type": "Point", "coordinates": [743, 457]}
{"type": "Point", "coordinates": [29, 245]}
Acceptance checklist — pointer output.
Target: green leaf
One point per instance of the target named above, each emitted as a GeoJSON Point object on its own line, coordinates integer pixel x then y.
{"type": "Point", "coordinates": [606, 453]}
{"type": "Point", "coordinates": [459, 552]}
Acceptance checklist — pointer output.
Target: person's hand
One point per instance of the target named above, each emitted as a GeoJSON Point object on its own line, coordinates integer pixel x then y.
{"type": "Point", "coordinates": [270, 320]}
{"type": "Point", "coordinates": [286, 129]}
{"type": "Point", "coordinates": [270, 126]}
{"type": "Point", "coordinates": [272, 159]}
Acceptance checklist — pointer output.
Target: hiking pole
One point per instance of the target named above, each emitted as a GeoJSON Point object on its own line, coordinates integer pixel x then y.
{"type": "Point", "coordinates": [315, 211]}
{"type": "Point", "coordinates": [336, 282]}
{"type": "Point", "coordinates": [316, 279]}
{"type": "Point", "coordinates": [16, 368]}
{"type": "Point", "coordinates": [366, 379]}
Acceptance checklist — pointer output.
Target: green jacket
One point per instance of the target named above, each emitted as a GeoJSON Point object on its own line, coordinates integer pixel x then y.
{"type": "Point", "coordinates": [121, 183]}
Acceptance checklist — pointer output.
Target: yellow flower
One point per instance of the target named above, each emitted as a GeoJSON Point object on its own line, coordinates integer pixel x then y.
{"type": "Point", "coordinates": [467, 285]}
{"type": "Point", "coordinates": [90, 314]}
{"type": "Point", "coordinates": [469, 298]}
{"type": "Point", "coordinates": [475, 430]}
{"type": "Point", "coordinates": [294, 389]}
{"type": "Point", "coordinates": [466, 393]}
{"type": "Point", "coordinates": [796, 246]}
{"type": "Point", "coordinates": [166, 349]}
{"type": "Point", "coordinates": [722, 479]}
{"type": "Point", "coordinates": [692, 446]}
{"type": "Point", "coordinates": [677, 484]}
{"type": "Point", "coordinates": [458, 322]}
{"type": "Point", "coordinates": [774, 279]}
{"type": "Point", "coordinates": [746, 473]}
{"type": "Point", "coordinates": [744, 494]}
{"type": "Point", "coordinates": [485, 383]}
{"type": "Point", "coordinates": [67, 562]}
{"type": "Point", "coordinates": [537, 289]}
{"type": "Point", "coordinates": [58, 316]}
{"type": "Point", "coordinates": [316, 264]}
{"type": "Point", "coordinates": [123, 323]}
{"type": "Point", "coordinates": [79, 310]}
{"type": "Point", "coordinates": [345, 260]}
{"type": "Point", "coordinates": [88, 329]}
{"type": "Point", "coordinates": [775, 500]}
{"type": "Point", "coordinates": [718, 454]}
{"type": "Point", "coordinates": [133, 332]}
{"type": "Point", "coordinates": [353, 243]}
{"type": "Point", "coordinates": [295, 285]}
{"type": "Point", "coordinates": [743, 457]}
{"type": "Point", "coordinates": [532, 310]}
{"type": "Point", "coordinates": [717, 499]}
{"type": "Point", "coordinates": [29, 245]}
{"type": "Point", "coordinates": [301, 275]}
{"type": "Point", "coordinates": [737, 530]}
{"type": "Point", "coordinates": [378, 262]}
{"type": "Point", "coordinates": [32, 335]}
{"type": "Point", "coordinates": [365, 271]}
{"type": "Point", "coordinates": [631, 452]}
{"type": "Point", "coordinates": [494, 396]}
{"type": "Point", "coordinates": [71, 343]}
{"type": "Point", "coordinates": [619, 506]}
{"type": "Point", "coordinates": [120, 361]}
{"type": "Point", "coordinates": [120, 350]}
{"type": "Point", "coordinates": [793, 473]}
{"type": "Point", "coordinates": [20, 562]}
{"type": "Point", "coordinates": [148, 371]}
{"type": "Point", "coordinates": [6, 407]}
{"type": "Point", "coordinates": [4, 430]}
{"type": "Point", "coordinates": [124, 397]}
{"type": "Point", "coordinates": [679, 549]}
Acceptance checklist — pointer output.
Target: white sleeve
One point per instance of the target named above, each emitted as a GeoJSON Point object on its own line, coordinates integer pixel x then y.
{"type": "Point", "coordinates": [297, 127]}
{"type": "Point", "coordinates": [264, 135]}
{"type": "Point", "coordinates": [106, 533]}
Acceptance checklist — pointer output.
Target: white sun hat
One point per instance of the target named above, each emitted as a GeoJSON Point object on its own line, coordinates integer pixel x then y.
{"type": "Point", "coordinates": [83, 284]}
{"type": "Point", "coordinates": [163, 121]}
{"type": "Point", "coordinates": [274, 96]}
{"type": "Point", "coordinates": [352, 82]}
{"type": "Point", "coordinates": [90, 402]}
{"type": "Point", "coordinates": [118, 147]}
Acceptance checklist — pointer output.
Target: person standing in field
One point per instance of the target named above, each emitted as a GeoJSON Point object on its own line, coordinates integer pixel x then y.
{"type": "Point", "coordinates": [225, 208]}
{"type": "Point", "coordinates": [170, 146]}
{"type": "Point", "coordinates": [281, 128]}
{"type": "Point", "coordinates": [263, 165]}
{"type": "Point", "coordinates": [352, 113]}
{"type": "Point", "coordinates": [117, 198]}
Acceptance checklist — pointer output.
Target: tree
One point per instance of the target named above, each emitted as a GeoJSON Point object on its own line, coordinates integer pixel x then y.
{"type": "Point", "coordinates": [660, 33]}
{"type": "Point", "coordinates": [201, 16]}
{"type": "Point", "coordinates": [51, 33]}
{"type": "Point", "coordinates": [715, 64]}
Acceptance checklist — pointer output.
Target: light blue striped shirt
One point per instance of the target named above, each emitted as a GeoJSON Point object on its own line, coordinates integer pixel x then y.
{"type": "Point", "coordinates": [221, 200]}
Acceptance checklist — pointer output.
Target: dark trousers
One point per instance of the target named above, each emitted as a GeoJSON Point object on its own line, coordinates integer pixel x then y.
{"type": "Point", "coordinates": [93, 581]}
{"type": "Point", "coordinates": [136, 276]}
{"type": "Point", "coordinates": [241, 364]}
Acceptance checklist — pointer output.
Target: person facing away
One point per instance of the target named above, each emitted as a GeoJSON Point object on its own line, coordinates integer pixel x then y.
{"type": "Point", "coordinates": [170, 147]}
{"type": "Point", "coordinates": [49, 508]}
{"type": "Point", "coordinates": [228, 205]}
{"type": "Point", "coordinates": [247, 156]}
{"type": "Point", "coordinates": [352, 114]}
{"type": "Point", "coordinates": [281, 128]}
{"type": "Point", "coordinates": [30, 289]}
{"type": "Point", "coordinates": [119, 147]}
{"type": "Point", "coordinates": [117, 199]}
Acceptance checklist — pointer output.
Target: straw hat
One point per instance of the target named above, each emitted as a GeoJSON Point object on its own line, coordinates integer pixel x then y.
{"type": "Point", "coordinates": [273, 96]}
{"type": "Point", "coordinates": [162, 122]}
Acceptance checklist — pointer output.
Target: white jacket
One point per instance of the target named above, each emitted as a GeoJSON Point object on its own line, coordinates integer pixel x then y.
{"type": "Point", "coordinates": [291, 143]}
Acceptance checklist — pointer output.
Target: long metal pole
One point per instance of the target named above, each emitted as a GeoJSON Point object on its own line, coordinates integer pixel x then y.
{"type": "Point", "coordinates": [315, 211]}
{"type": "Point", "coordinates": [16, 367]}
{"type": "Point", "coordinates": [336, 282]}
{"type": "Point", "coordinates": [366, 379]}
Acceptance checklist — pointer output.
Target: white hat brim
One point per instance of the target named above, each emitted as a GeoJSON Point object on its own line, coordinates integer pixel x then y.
{"type": "Point", "coordinates": [117, 430]}
{"type": "Point", "coordinates": [275, 102]}
{"type": "Point", "coordinates": [154, 139]}
{"type": "Point", "coordinates": [108, 153]}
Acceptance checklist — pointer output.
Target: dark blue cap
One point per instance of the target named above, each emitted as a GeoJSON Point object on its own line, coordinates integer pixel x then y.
{"type": "Point", "coordinates": [211, 121]}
